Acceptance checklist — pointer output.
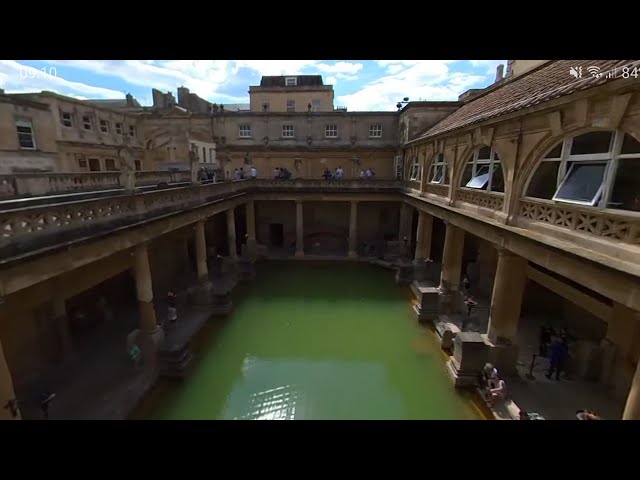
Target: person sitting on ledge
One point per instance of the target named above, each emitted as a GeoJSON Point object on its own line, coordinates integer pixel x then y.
{"type": "Point", "coordinates": [490, 376]}
{"type": "Point", "coordinates": [587, 415]}
{"type": "Point", "coordinates": [530, 416]}
{"type": "Point", "coordinates": [497, 393]}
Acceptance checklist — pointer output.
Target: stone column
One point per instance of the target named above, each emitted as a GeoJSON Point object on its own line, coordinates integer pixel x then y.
{"type": "Point", "coordinates": [405, 221]}
{"type": "Point", "coordinates": [452, 259]}
{"type": "Point", "coordinates": [231, 233]}
{"type": "Point", "coordinates": [620, 349]}
{"type": "Point", "coordinates": [506, 300]}
{"type": "Point", "coordinates": [251, 229]}
{"type": "Point", "coordinates": [353, 230]}
{"type": "Point", "coordinates": [423, 236]}
{"type": "Point", "coordinates": [299, 230]}
{"type": "Point", "coordinates": [201, 252]}
{"type": "Point", "coordinates": [61, 322]}
{"type": "Point", "coordinates": [632, 407]}
{"type": "Point", "coordinates": [144, 290]}
{"type": "Point", "coordinates": [7, 394]}
{"type": "Point", "coordinates": [504, 315]}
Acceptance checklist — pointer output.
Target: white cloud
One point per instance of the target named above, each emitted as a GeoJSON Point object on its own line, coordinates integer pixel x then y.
{"type": "Point", "coordinates": [331, 81]}
{"type": "Point", "coordinates": [18, 78]}
{"type": "Point", "coordinates": [345, 68]}
{"type": "Point", "coordinates": [428, 79]}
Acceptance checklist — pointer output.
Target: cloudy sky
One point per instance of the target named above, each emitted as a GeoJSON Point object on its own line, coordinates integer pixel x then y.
{"type": "Point", "coordinates": [358, 84]}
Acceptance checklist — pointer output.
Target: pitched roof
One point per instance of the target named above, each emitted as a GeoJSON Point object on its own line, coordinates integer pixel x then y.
{"type": "Point", "coordinates": [550, 81]}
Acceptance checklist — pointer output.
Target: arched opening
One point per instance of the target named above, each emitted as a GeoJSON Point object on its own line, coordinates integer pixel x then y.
{"type": "Point", "coordinates": [439, 172]}
{"type": "Point", "coordinates": [600, 169]}
{"type": "Point", "coordinates": [483, 171]}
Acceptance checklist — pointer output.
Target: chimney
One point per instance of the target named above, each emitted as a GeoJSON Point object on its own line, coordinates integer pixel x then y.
{"type": "Point", "coordinates": [499, 72]}
{"type": "Point", "coordinates": [129, 98]}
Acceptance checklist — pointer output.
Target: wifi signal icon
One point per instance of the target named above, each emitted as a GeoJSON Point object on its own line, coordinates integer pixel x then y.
{"type": "Point", "coordinates": [595, 71]}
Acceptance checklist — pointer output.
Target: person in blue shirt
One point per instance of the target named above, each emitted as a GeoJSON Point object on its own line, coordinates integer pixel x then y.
{"type": "Point", "coordinates": [559, 353]}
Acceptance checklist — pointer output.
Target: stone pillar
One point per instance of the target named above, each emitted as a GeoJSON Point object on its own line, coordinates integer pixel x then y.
{"type": "Point", "coordinates": [620, 349]}
{"type": "Point", "coordinates": [144, 290]}
{"type": "Point", "coordinates": [61, 322]}
{"type": "Point", "coordinates": [353, 230]}
{"type": "Point", "coordinates": [8, 402]}
{"type": "Point", "coordinates": [251, 229]}
{"type": "Point", "coordinates": [299, 230]}
{"type": "Point", "coordinates": [632, 407]}
{"type": "Point", "coordinates": [506, 300]}
{"type": "Point", "coordinates": [201, 252]}
{"type": "Point", "coordinates": [405, 221]}
{"type": "Point", "coordinates": [423, 236]}
{"type": "Point", "coordinates": [452, 259]}
{"type": "Point", "coordinates": [231, 233]}
{"type": "Point", "coordinates": [504, 315]}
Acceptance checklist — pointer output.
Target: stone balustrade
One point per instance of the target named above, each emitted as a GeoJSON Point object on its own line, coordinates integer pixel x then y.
{"type": "Point", "coordinates": [29, 228]}
{"type": "Point", "coordinates": [481, 198]}
{"type": "Point", "coordinates": [36, 184]}
{"type": "Point", "coordinates": [437, 189]}
{"type": "Point", "coordinates": [611, 224]}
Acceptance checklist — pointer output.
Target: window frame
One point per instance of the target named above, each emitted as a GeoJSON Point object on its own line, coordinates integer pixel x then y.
{"type": "Point", "coordinates": [328, 129]}
{"type": "Point", "coordinates": [242, 131]}
{"type": "Point", "coordinates": [288, 127]}
{"type": "Point", "coordinates": [87, 120]}
{"type": "Point", "coordinates": [63, 120]}
{"type": "Point", "coordinates": [602, 198]}
{"type": "Point", "coordinates": [479, 163]}
{"type": "Point", "coordinates": [437, 162]}
{"type": "Point", "coordinates": [315, 105]}
{"type": "Point", "coordinates": [23, 123]}
{"type": "Point", "coordinates": [105, 124]}
{"type": "Point", "coordinates": [119, 129]}
{"type": "Point", "coordinates": [375, 130]}
{"type": "Point", "coordinates": [291, 106]}
{"type": "Point", "coordinates": [291, 81]}
{"type": "Point", "coordinates": [106, 165]}
{"type": "Point", "coordinates": [132, 130]}
{"type": "Point", "coordinates": [415, 169]}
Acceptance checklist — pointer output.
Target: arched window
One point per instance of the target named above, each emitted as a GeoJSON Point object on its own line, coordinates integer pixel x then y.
{"type": "Point", "coordinates": [597, 169]}
{"type": "Point", "coordinates": [484, 171]}
{"type": "Point", "coordinates": [439, 171]}
{"type": "Point", "coordinates": [415, 170]}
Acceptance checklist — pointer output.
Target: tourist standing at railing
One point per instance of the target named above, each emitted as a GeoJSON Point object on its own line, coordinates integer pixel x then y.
{"type": "Point", "coordinates": [339, 173]}
{"type": "Point", "coordinates": [254, 173]}
{"type": "Point", "coordinates": [362, 174]}
{"type": "Point", "coordinates": [326, 174]}
{"type": "Point", "coordinates": [369, 173]}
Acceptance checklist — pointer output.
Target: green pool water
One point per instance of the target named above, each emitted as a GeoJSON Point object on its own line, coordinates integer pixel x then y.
{"type": "Point", "coordinates": [315, 341]}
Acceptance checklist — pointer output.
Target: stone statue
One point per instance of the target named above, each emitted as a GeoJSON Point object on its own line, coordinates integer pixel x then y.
{"type": "Point", "coordinates": [127, 169]}
{"type": "Point", "coordinates": [194, 163]}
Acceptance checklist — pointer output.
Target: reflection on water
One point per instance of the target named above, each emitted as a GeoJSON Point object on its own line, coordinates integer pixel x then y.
{"type": "Point", "coordinates": [310, 341]}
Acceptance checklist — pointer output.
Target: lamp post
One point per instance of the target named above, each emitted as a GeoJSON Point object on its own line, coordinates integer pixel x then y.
{"type": "Point", "coordinates": [401, 104]}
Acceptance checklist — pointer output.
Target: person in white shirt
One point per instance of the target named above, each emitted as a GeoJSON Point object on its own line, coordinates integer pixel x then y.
{"type": "Point", "coordinates": [237, 174]}
{"type": "Point", "coordinates": [254, 173]}
{"type": "Point", "coordinates": [361, 173]}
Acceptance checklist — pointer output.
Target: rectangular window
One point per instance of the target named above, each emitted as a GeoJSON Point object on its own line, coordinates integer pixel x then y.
{"type": "Point", "coordinates": [625, 194]}
{"type": "Point", "coordinates": [375, 130]}
{"type": "Point", "coordinates": [86, 123]}
{"type": "Point", "coordinates": [331, 131]}
{"type": "Point", "coordinates": [245, 131]}
{"type": "Point", "coordinates": [138, 164]}
{"type": "Point", "coordinates": [544, 182]}
{"type": "Point", "coordinates": [119, 128]}
{"type": "Point", "coordinates": [287, 131]}
{"type": "Point", "coordinates": [104, 126]}
{"type": "Point", "coordinates": [265, 106]}
{"type": "Point", "coordinates": [204, 154]}
{"type": "Point", "coordinates": [291, 81]}
{"type": "Point", "coordinates": [82, 163]}
{"type": "Point", "coordinates": [67, 120]}
{"type": "Point", "coordinates": [582, 183]}
{"type": "Point", "coordinates": [110, 164]}
{"type": "Point", "coordinates": [132, 130]}
{"type": "Point", "coordinates": [94, 164]}
{"type": "Point", "coordinates": [25, 135]}
{"type": "Point", "coordinates": [291, 105]}
{"type": "Point", "coordinates": [315, 105]}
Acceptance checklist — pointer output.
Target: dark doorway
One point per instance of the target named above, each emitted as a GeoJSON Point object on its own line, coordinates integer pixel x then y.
{"type": "Point", "coordinates": [276, 234]}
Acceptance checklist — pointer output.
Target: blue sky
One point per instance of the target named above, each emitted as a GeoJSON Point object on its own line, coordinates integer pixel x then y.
{"type": "Point", "coordinates": [358, 84]}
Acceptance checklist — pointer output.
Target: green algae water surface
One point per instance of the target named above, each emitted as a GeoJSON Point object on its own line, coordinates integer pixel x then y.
{"type": "Point", "coordinates": [315, 341]}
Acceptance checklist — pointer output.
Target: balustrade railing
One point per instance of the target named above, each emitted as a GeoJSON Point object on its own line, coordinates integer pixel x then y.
{"type": "Point", "coordinates": [605, 223]}
{"type": "Point", "coordinates": [490, 200]}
